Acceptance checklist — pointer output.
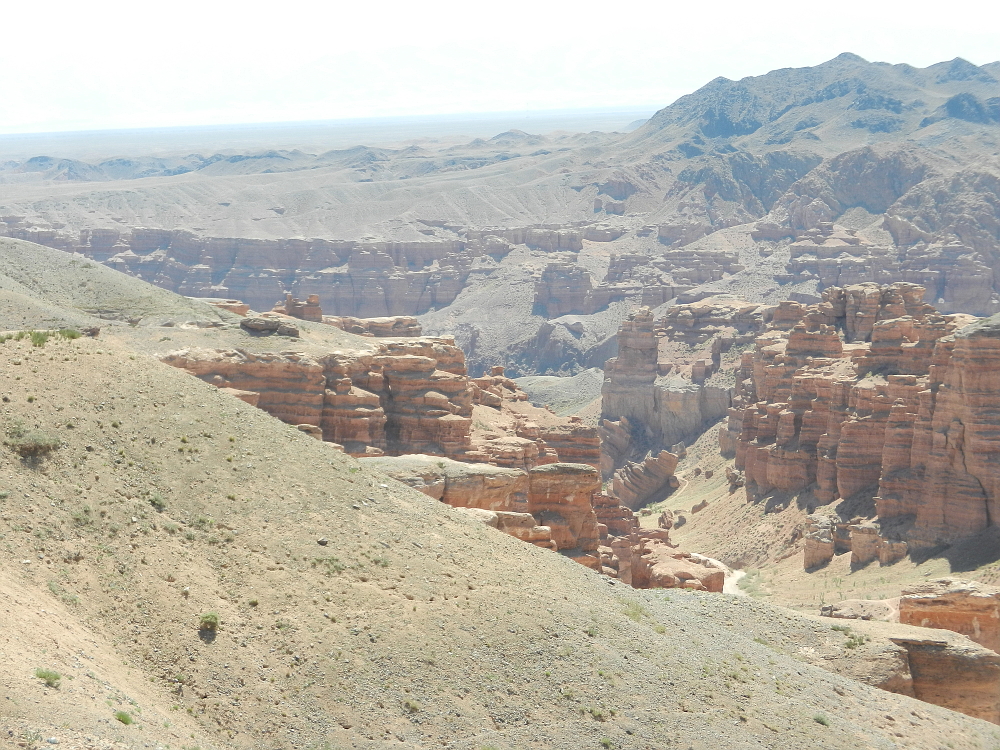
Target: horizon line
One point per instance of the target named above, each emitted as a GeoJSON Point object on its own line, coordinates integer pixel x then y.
{"type": "Point", "coordinates": [371, 119]}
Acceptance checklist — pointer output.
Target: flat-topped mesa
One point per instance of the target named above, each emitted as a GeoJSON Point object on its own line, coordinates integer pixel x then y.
{"type": "Point", "coordinates": [872, 389]}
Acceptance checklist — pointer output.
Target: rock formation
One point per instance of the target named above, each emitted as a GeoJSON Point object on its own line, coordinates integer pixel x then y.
{"type": "Point", "coordinates": [939, 667]}
{"type": "Point", "coordinates": [556, 497]}
{"type": "Point", "coordinates": [391, 327]}
{"type": "Point", "coordinates": [661, 383]}
{"type": "Point", "coordinates": [405, 395]}
{"type": "Point", "coordinates": [966, 607]}
{"type": "Point", "coordinates": [636, 484]}
{"type": "Point", "coordinates": [308, 310]}
{"type": "Point", "coordinates": [873, 390]}
{"type": "Point", "coordinates": [956, 276]}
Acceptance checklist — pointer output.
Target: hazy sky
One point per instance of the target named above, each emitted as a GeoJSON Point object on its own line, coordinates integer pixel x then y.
{"type": "Point", "coordinates": [116, 63]}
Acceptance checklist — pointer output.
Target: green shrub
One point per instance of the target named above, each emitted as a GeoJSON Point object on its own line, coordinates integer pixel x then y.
{"type": "Point", "coordinates": [635, 611]}
{"type": "Point", "coordinates": [209, 621]}
{"type": "Point", "coordinates": [158, 503]}
{"type": "Point", "coordinates": [821, 719]}
{"type": "Point", "coordinates": [69, 333]}
{"type": "Point", "coordinates": [38, 338]}
{"type": "Point", "coordinates": [49, 677]}
{"type": "Point", "coordinates": [30, 443]}
{"type": "Point", "coordinates": [124, 717]}
{"type": "Point", "coordinates": [411, 706]}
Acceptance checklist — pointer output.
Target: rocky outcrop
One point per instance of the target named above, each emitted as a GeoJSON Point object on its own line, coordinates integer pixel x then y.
{"type": "Point", "coordinates": [938, 667]}
{"type": "Point", "coordinates": [232, 305]}
{"type": "Point", "coordinates": [557, 496]}
{"type": "Point", "coordinates": [956, 276]}
{"type": "Point", "coordinates": [404, 395]}
{"type": "Point", "coordinates": [882, 610]}
{"type": "Point", "coordinates": [294, 308]}
{"type": "Point", "coordinates": [636, 484]}
{"type": "Point", "coordinates": [391, 327]}
{"type": "Point", "coordinates": [559, 506]}
{"type": "Point", "coordinates": [819, 546]}
{"type": "Point", "coordinates": [872, 390]}
{"type": "Point", "coordinates": [966, 607]}
{"type": "Point", "coordinates": [661, 383]}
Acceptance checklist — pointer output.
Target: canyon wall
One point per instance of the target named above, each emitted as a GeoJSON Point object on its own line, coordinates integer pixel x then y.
{"type": "Point", "coordinates": [957, 277]}
{"type": "Point", "coordinates": [405, 395]}
{"type": "Point", "coordinates": [873, 391]}
{"type": "Point", "coordinates": [673, 375]}
{"type": "Point", "coordinates": [354, 278]}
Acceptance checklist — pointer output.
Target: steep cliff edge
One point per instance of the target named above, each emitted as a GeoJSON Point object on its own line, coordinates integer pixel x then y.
{"type": "Point", "coordinates": [673, 375]}
{"type": "Point", "coordinates": [872, 390]}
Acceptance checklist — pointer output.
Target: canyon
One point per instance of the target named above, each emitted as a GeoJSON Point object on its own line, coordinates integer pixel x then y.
{"type": "Point", "coordinates": [423, 423]}
{"type": "Point", "coordinates": [871, 390]}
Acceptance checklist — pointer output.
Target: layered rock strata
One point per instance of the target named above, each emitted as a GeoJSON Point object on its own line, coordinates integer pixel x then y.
{"type": "Point", "coordinates": [661, 383]}
{"type": "Point", "coordinates": [636, 484]}
{"type": "Point", "coordinates": [957, 276]}
{"type": "Point", "coordinates": [405, 395]}
{"type": "Point", "coordinates": [872, 390]}
{"type": "Point", "coordinates": [966, 607]}
{"type": "Point", "coordinates": [556, 497]}
{"type": "Point", "coordinates": [353, 278]}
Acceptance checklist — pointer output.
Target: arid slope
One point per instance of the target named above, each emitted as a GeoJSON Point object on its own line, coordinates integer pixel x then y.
{"type": "Point", "coordinates": [353, 611]}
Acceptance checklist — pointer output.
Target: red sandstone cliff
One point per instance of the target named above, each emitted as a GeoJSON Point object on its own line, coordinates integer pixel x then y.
{"type": "Point", "coordinates": [872, 390]}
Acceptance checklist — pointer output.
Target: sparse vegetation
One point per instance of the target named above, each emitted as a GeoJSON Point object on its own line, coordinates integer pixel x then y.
{"type": "Point", "coordinates": [411, 706]}
{"type": "Point", "coordinates": [635, 611]}
{"type": "Point", "coordinates": [30, 443]}
{"type": "Point", "coordinates": [124, 717]}
{"type": "Point", "coordinates": [158, 502]}
{"type": "Point", "coordinates": [329, 565]}
{"type": "Point", "coordinates": [50, 678]}
{"type": "Point", "coordinates": [208, 621]}
{"type": "Point", "coordinates": [821, 719]}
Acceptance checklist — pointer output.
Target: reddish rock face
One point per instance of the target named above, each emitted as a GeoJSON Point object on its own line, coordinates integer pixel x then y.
{"type": "Point", "coordinates": [872, 390]}
{"type": "Point", "coordinates": [558, 497]}
{"type": "Point", "coordinates": [637, 483]}
{"type": "Point", "coordinates": [404, 395]}
{"type": "Point", "coordinates": [966, 607]}
{"type": "Point", "coordinates": [659, 386]}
